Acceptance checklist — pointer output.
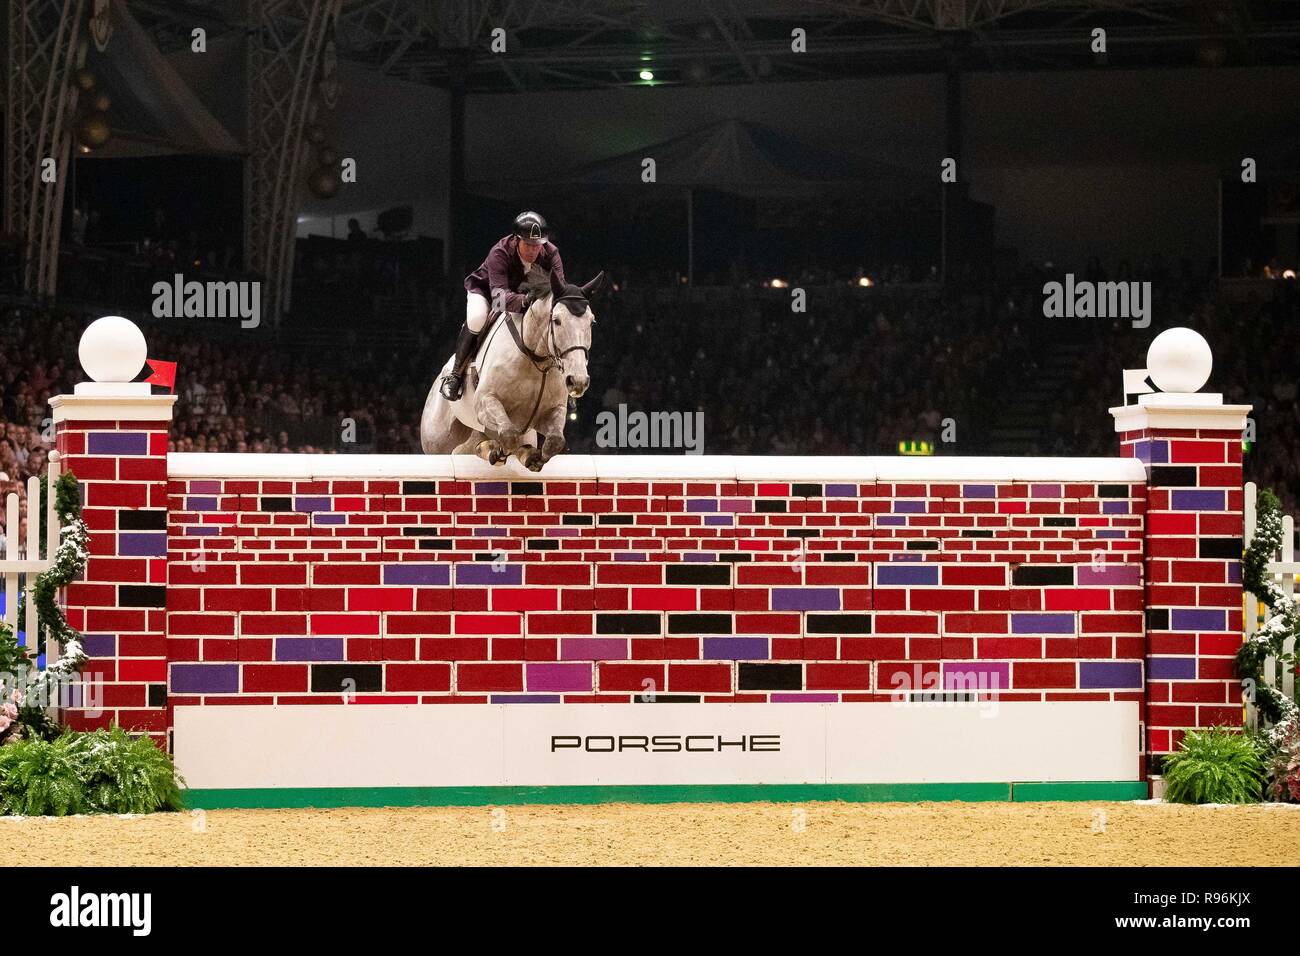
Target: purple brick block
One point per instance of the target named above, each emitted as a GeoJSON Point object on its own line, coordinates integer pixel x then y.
{"type": "Point", "coordinates": [700, 556]}
{"type": "Point", "coordinates": [1152, 452]}
{"type": "Point", "coordinates": [204, 679]}
{"type": "Point", "coordinates": [99, 645]}
{"type": "Point", "coordinates": [1198, 619]}
{"type": "Point", "coordinates": [804, 698]}
{"type": "Point", "coordinates": [1042, 623]}
{"type": "Point", "coordinates": [593, 649]}
{"type": "Point", "coordinates": [1109, 575]}
{"type": "Point", "coordinates": [1115, 507]}
{"type": "Point", "coordinates": [436, 574]}
{"type": "Point", "coordinates": [205, 487]}
{"type": "Point", "coordinates": [1110, 675]}
{"type": "Point", "coordinates": [1234, 572]}
{"type": "Point", "coordinates": [1045, 491]}
{"type": "Point", "coordinates": [117, 443]}
{"type": "Point", "coordinates": [309, 649]}
{"type": "Point", "coordinates": [524, 698]}
{"type": "Point", "coordinates": [313, 503]}
{"type": "Point", "coordinates": [488, 533]}
{"type": "Point", "coordinates": [979, 491]}
{"type": "Point", "coordinates": [200, 504]}
{"type": "Point", "coordinates": [320, 518]}
{"type": "Point", "coordinates": [890, 520]}
{"type": "Point", "coordinates": [805, 599]}
{"type": "Point", "coordinates": [491, 488]}
{"type": "Point", "coordinates": [725, 521]}
{"type": "Point", "coordinates": [558, 677]}
{"type": "Point", "coordinates": [891, 573]}
{"type": "Point", "coordinates": [736, 504]}
{"type": "Point", "coordinates": [562, 532]}
{"type": "Point", "coordinates": [144, 544]}
{"type": "Point", "coordinates": [1171, 668]}
{"type": "Point", "coordinates": [976, 676]}
{"type": "Point", "coordinates": [466, 573]}
{"type": "Point", "coordinates": [701, 504]}
{"type": "Point", "coordinates": [1109, 534]}
{"type": "Point", "coordinates": [1197, 499]}
{"type": "Point", "coordinates": [840, 491]}
{"type": "Point", "coordinates": [736, 649]}
{"type": "Point", "coordinates": [909, 507]}
{"type": "Point", "coordinates": [629, 556]}
{"type": "Point", "coordinates": [200, 530]}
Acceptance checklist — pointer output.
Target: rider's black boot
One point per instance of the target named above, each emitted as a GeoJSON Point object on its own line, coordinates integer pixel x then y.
{"type": "Point", "coordinates": [453, 383]}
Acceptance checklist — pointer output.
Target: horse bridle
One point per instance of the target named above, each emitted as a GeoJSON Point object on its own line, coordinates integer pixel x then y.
{"type": "Point", "coordinates": [544, 363]}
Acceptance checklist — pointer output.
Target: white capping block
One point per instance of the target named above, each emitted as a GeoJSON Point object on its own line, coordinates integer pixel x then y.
{"type": "Point", "coordinates": [562, 466]}
{"type": "Point", "coordinates": [805, 468]}
{"type": "Point", "coordinates": [614, 467]}
{"type": "Point", "coordinates": [248, 465]}
{"type": "Point", "coordinates": [113, 408]}
{"type": "Point", "coordinates": [1130, 418]}
{"type": "Point", "coordinates": [1009, 469]}
{"type": "Point", "coordinates": [702, 467]}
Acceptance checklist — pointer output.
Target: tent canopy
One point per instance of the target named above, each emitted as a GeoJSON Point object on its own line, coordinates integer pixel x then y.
{"type": "Point", "coordinates": [730, 155]}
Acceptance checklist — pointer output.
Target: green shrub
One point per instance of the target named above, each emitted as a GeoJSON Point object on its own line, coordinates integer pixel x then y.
{"type": "Point", "coordinates": [103, 771]}
{"type": "Point", "coordinates": [1218, 765]}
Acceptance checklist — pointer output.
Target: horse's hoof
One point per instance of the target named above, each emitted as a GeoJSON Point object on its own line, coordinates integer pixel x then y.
{"type": "Point", "coordinates": [535, 461]}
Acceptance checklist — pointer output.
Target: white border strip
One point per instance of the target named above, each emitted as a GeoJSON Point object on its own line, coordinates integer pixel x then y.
{"type": "Point", "coordinates": [662, 467]}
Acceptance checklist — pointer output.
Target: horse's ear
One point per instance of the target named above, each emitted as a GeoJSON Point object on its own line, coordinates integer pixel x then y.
{"type": "Point", "coordinates": [557, 287]}
{"type": "Point", "coordinates": [594, 286]}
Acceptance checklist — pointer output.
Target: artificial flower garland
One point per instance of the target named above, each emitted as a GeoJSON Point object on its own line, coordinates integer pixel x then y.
{"type": "Point", "coordinates": [68, 564]}
{"type": "Point", "coordinates": [1281, 619]}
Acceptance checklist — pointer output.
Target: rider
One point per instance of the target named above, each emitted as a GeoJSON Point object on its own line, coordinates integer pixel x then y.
{"type": "Point", "coordinates": [497, 281]}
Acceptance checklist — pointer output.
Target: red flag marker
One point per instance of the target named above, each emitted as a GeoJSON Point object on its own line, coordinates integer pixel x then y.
{"type": "Point", "coordinates": [162, 373]}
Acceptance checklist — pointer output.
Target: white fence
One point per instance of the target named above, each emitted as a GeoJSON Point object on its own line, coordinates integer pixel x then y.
{"type": "Point", "coordinates": [21, 560]}
{"type": "Point", "coordinates": [1284, 570]}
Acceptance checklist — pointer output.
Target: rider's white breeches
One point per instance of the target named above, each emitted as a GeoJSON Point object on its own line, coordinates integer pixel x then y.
{"type": "Point", "coordinates": [476, 312]}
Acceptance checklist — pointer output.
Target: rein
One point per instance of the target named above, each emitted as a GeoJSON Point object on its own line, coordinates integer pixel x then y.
{"type": "Point", "coordinates": [543, 363]}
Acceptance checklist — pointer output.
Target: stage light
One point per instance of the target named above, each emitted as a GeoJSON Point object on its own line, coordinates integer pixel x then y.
{"type": "Point", "coordinates": [865, 282]}
{"type": "Point", "coordinates": [779, 284]}
{"type": "Point", "coordinates": [647, 75]}
{"type": "Point", "coordinates": [1288, 274]}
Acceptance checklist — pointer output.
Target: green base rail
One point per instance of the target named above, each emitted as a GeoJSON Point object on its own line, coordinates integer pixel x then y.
{"type": "Point", "coordinates": [324, 797]}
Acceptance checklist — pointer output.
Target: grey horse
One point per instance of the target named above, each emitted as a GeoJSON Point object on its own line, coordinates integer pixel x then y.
{"type": "Point", "coordinates": [520, 381]}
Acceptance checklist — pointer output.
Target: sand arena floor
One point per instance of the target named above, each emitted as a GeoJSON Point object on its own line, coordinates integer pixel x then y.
{"type": "Point", "coordinates": [871, 834]}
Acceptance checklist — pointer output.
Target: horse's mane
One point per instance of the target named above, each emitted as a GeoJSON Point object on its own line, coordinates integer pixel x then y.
{"type": "Point", "coordinates": [537, 283]}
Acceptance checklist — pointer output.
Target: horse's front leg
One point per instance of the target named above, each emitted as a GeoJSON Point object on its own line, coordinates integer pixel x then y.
{"type": "Point", "coordinates": [550, 424]}
{"type": "Point", "coordinates": [502, 435]}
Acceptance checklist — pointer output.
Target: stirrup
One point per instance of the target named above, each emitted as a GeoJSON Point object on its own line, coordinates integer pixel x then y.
{"type": "Point", "coordinates": [452, 386]}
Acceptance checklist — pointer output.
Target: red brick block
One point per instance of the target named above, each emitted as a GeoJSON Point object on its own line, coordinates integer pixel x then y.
{"type": "Point", "coordinates": [695, 678]}
{"type": "Point", "coordinates": [274, 625]}
{"type": "Point", "coordinates": [942, 599]}
{"type": "Point", "coordinates": [345, 574]}
{"type": "Point", "coordinates": [489, 677]}
{"type": "Point", "coordinates": [343, 625]}
{"type": "Point", "coordinates": [1026, 675]}
{"type": "Point", "coordinates": [453, 648]}
{"type": "Point", "coordinates": [872, 648]}
{"type": "Point", "coordinates": [381, 599]}
{"type": "Point", "coordinates": [826, 676]}
{"type": "Point", "coordinates": [274, 678]}
{"type": "Point", "coordinates": [152, 671]}
{"type": "Point", "coordinates": [237, 599]}
{"type": "Point", "coordinates": [631, 677]}
{"type": "Point", "coordinates": [407, 677]}
{"type": "Point", "coordinates": [664, 599]}
{"type": "Point", "coordinates": [1076, 599]}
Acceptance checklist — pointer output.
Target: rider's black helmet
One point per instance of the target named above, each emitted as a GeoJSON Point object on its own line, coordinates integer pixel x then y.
{"type": "Point", "coordinates": [531, 226]}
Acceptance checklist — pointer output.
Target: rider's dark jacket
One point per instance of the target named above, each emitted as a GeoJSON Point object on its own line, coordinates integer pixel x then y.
{"type": "Point", "coordinates": [503, 270]}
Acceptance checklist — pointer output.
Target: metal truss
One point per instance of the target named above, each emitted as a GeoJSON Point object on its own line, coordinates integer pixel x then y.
{"type": "Point", "coordinates": [46, 44]}
{"type": "Point", "coordinates": [284, 52]}
{"type": "Point", "coordinates": [583, 44]}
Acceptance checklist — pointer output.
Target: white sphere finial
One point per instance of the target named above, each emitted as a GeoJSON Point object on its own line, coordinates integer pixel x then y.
{"type": "Point", "coordinates": [1179, 360]}
{"type": "Point", "coordinates": [112, 349]}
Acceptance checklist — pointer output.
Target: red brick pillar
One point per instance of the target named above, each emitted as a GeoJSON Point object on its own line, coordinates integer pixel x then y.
{"type": "Point", "coordinates": [1191, 447]}
{"type": "Point", "coordinates": [113, 437]}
